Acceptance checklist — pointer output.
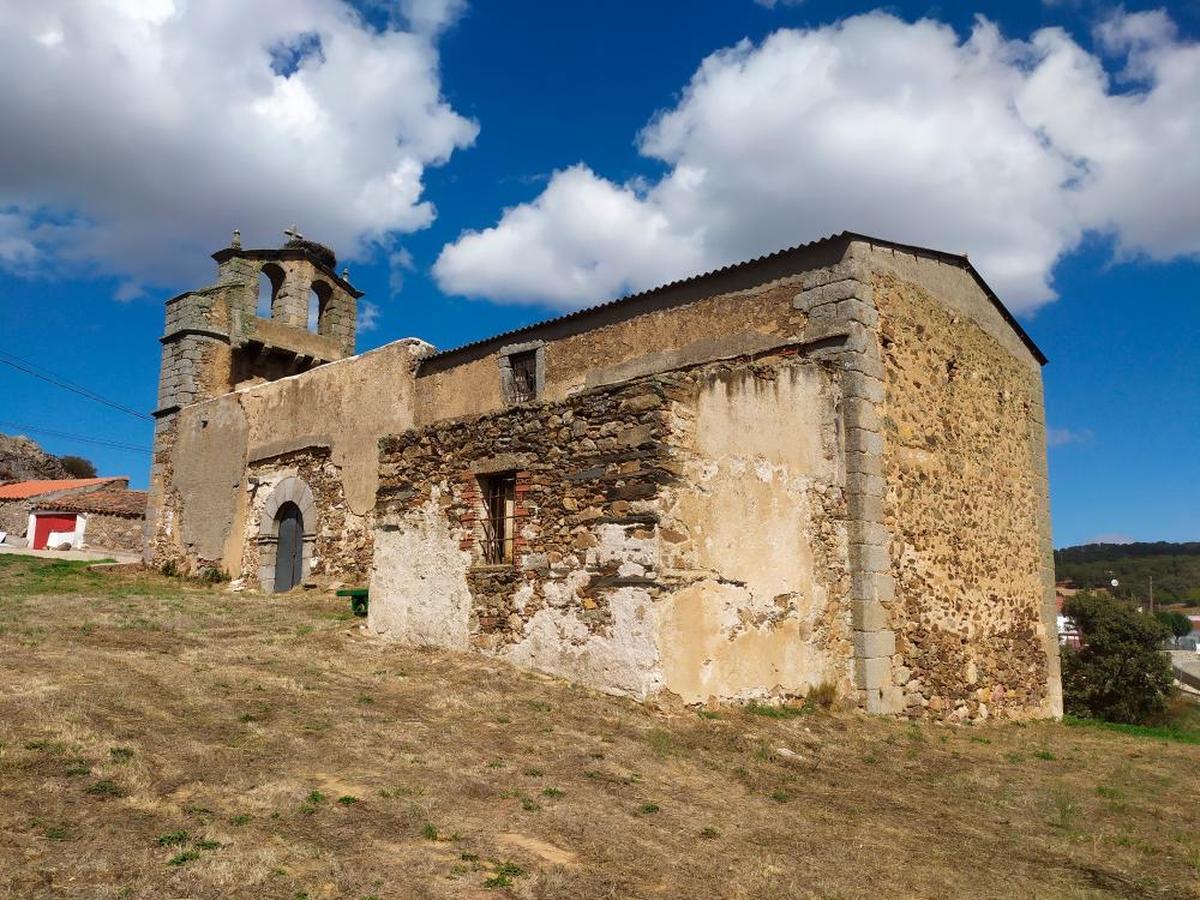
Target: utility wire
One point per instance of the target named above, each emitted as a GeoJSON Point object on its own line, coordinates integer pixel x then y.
{"type": "Point", "coordinates": [45, 375]}
{"type": "Point", "coordinates": [77, 437]}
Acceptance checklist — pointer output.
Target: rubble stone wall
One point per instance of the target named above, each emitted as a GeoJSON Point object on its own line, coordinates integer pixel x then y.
{"type": "Point", "coordinates": [579, 598]}
{"type": "Point", "coordinates": [652, 555]}
{"type": "Point", "coordinates": [109, 532]}
{"type": "Point", "coordinates": [966, 507]}
{"type": "Point", "coordinates": [14, 516]}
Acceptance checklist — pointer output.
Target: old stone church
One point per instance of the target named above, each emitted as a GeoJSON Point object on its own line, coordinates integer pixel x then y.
{"type": "Point", "coordinates": [825, 465]}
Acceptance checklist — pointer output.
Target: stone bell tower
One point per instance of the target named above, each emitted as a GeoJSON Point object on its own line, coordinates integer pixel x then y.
{"type": "Point", "coordinates": [271, 313]}
{"type": "Point", "coordinates": [215, 338]}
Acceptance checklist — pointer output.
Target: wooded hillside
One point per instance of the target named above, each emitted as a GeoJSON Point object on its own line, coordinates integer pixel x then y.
{"type": "Point", "coordinates": [1175, 569]}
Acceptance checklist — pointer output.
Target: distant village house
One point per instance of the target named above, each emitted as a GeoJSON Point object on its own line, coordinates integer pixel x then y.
{"type": "Point", "coordinates": [79, 513]}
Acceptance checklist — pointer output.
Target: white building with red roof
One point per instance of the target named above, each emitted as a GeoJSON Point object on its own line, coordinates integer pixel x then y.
{"type": "Point", "coordinates": [37, 514]}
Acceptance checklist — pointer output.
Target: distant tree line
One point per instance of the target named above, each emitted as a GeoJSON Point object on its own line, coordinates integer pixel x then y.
{"type": "Point", "coordinates": [1175, 568]}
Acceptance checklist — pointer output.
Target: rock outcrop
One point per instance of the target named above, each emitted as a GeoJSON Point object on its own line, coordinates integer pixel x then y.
{"type": "Point", "coordinates": [21, 459]}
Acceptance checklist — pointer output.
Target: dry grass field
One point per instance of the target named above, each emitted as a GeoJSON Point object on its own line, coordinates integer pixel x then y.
{"type": "Point", "coordinates": [166, 740]}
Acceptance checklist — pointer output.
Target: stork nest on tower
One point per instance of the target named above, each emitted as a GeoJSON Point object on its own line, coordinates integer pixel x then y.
{"type": "Point", "coordinates": [324, 255]}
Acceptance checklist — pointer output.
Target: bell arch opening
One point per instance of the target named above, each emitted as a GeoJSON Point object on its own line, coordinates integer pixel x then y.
{"type": "Point", "coordinates": [270, 280]}
{"type": "Point", "coordinates": [319, 297]}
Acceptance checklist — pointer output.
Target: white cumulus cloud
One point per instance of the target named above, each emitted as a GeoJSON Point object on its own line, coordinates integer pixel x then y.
{"type": "Point", "coordinates": [137, 134]}
{"type": "Point", "coordinates": [1008, 149]}
{"type": "Point", "coordinates": [1060, 437]}
{"type": "Point", "coordinates": [432, 16]}
{"type": "Point", "coordinates": [368, 316]}
{"type": "Point", "coordinates": [581, 239]}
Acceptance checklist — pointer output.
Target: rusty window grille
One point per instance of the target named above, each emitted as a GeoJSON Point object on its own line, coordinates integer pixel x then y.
{"type": "Point", "coordinates": [524, 376]}
{"type": "Point", "coordinates": [499, 522]}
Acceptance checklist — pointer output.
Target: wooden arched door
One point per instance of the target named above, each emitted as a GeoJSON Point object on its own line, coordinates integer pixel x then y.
{"type": "Point", "coordinates": [289, 552]}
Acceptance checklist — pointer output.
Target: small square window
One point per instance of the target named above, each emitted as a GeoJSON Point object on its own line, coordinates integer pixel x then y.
{"type": "Point", "coordinates": [524, 376]}
{"type": "Point", "coordinates": [499, 520]}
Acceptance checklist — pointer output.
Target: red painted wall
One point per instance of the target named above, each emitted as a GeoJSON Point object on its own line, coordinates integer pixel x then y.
{"type": "Point", "coordinates": [44, 524]}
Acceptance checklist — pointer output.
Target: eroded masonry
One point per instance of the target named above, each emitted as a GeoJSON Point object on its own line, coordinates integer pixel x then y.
{"type": "Point", "coordinates": [823, 466]}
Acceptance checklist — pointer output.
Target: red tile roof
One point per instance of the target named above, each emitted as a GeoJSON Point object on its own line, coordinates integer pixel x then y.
{"type": "Point", "coordinates": [22, 490]}
{"type": "Point", "coordinates": [115, 503]}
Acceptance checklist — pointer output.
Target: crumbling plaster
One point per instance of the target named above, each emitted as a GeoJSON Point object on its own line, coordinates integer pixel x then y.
{"type": "Point", "coordinates": [422, 571]}
{"type": "Point", "coordinates": [757, 519]}
{"type": "Point", "coordinates": [661, 525]}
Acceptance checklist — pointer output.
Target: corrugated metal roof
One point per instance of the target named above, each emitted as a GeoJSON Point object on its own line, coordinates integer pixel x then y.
{"type": "Point", "coordinates": [955, 258]}
{"type": "Point", "coordinates": [21, 490]}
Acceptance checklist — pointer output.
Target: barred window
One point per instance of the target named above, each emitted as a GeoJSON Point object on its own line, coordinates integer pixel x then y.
{"type": "Point", "coordinates": [499, 522]}
{"type": "Point", "coordinates": [524, 376]}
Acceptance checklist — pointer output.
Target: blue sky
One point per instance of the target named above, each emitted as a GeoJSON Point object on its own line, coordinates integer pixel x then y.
{"type": "Point", "coordinates": [1039, 141]}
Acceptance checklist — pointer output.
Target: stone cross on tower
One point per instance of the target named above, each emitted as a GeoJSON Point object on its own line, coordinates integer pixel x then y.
{"type": "Point", "coordinates": [293, 233]}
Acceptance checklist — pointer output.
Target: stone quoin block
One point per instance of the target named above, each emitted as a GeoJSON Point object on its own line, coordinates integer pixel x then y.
{"type": "Point", "coordinates": [861, 413]}
{"type": "Point", "coordinates": [868, 644]}
{"type": "Point", "coordinates": [864, 483]}
{"type": "Point", "coordinates": [846, 269]}
{"type": "Point", "coordinates": [875, 586]}
{"type": "Point", "coordinates": [863, 463]}
{"type": "Point", "coordinates": [860, 440]}
{"type": "Point", "coordinates": [855, 310]}
{"type": "Point", "coordinates": [810, 298]}
{"type": "Point", "coordinates": [872, 673]}
{"type": "Point", "coordinates": [864, 385]}
{"type": "Point", "coordinates": [868, 615]}
{"type": "Point", "coordinates": [870, 557]}
{"type": "Point", "coordinates": [867, 532]}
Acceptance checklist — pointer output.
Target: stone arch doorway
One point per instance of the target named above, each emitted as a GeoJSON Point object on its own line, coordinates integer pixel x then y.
{"type": "Point", "coordinates": [287, 532]}
{"type": "Point", "coordinates": [289, 547]}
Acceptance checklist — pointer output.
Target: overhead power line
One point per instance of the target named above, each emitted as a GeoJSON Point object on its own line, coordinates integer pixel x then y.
{"type": "Point", "coordinates": [36, 371]}
{"type": "Point", "coordinates": [120, 445]}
